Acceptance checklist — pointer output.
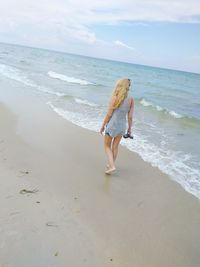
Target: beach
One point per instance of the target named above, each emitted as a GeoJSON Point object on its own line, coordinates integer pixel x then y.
{"type": "Point", "coordinates": [77, 88]}
{"type": "Point", "coordinates": [58, 208]}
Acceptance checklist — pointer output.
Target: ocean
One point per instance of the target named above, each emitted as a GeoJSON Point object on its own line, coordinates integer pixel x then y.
{"type": "Point", "coordinates": [166, 124]}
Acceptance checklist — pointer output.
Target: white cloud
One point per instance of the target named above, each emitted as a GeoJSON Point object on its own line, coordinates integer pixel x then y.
{"type": "Point", "coordinates": [119, 43]}
{"type": "Point", "coordinates": [78, 15]}
{"type": "Point", "coordinates": [28, 19]}
{"type": "Point", "coordinates": [73, 18]}
{"type": "Point", "coordinates": [115, 11]}
{"type": "Point", "coordinates": [66, 24]}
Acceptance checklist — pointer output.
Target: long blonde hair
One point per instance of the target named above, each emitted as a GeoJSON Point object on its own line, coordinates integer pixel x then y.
{"type": "Point", "coordinates": [120, 91]}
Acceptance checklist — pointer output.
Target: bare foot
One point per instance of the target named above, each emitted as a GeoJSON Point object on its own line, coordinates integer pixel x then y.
{"type": "Point", "coordinates": [110, 170]}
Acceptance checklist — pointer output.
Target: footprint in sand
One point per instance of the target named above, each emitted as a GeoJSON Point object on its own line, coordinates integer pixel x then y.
{"type": "Point", "coordinates": [23, 173]}
{"type": "Point", "coordinates": [52, 224]}
{"type": "Point", "coordinates": [25, 191]}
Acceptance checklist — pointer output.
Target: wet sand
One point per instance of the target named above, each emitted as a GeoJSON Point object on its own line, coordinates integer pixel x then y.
{"type": "Point", "coordinates": [77, 215]}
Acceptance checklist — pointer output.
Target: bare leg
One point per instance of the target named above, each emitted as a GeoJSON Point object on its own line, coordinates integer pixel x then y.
{"type": "Point", "coordinates": [115, 145]}
{"type": "Point", "coordinates": [109, 153]}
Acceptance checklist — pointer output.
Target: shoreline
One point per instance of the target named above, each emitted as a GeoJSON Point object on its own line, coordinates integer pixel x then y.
{"type": "Point", "coordinates": [98, 58]}
{"type": "Point", "coordinates": [165, 132]}
{"type": "Point", "coordinates": [136, 217]}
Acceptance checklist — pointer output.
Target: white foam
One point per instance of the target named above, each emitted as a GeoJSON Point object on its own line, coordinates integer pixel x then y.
{"type": "Point", "coordinates": [68, 79]}
{"type": "Point", "coordinates": [49, 91]}
{"type": "Point", "coordinates": [77, 118]}
{"type": "Point", "coordinates": [85, 102]}
{"type": "Point", "coordinates": [17, 75]}
{"type": "Point", "coordinates": [173, 163]}
{"type": "Point", "coordinates": [146, 103]}
{"type": "Point", "coordinates": [175, 115]}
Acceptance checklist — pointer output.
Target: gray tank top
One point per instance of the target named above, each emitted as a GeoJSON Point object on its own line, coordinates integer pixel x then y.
{"type": "Point", "coordinates": [117, 123]}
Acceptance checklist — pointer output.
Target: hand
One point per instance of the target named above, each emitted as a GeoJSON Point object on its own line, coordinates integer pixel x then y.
{"type": "Point", "coordinates": [102, 130]}
{"type": "Point", "coordinates": [129, 131]}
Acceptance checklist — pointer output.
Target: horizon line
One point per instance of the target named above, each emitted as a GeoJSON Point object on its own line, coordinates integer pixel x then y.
{"type": "Point", "coordinates": [99, 58]}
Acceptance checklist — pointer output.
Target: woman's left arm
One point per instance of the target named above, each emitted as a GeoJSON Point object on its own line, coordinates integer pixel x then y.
{"type": "Point", "coordinates": [130, 115]}
{"type": "Point", "coordinates": [109, 114]}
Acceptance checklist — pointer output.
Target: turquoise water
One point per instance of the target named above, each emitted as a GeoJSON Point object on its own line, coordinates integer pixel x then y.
{"type": "Point", "coordinates": [167, 103]}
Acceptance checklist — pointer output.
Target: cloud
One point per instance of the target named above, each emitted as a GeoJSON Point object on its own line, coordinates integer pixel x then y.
{"type": "Point", "coordinates": [119, 43]}
{"type": "Point", "coordinates": [116, 11]}
{"type": "Point", "coordinates": [72, 19]}
{"type": "Point", "coordinates": [28, 19]}
{"type": "Point", "coordinates": [66, 24]}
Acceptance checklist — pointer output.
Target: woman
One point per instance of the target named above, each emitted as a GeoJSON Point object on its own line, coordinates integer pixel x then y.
{"type": "Point", "coordinates": [114, 123]}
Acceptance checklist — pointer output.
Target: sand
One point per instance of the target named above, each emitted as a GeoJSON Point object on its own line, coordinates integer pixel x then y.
{"type": "Point", "coordinates": [77, 215]}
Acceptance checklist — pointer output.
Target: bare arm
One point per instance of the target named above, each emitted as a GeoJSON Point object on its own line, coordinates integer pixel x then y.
{"type": "Point", "coordinates": [108, 114]}
{"type": "Point", "coordinates": [130, 115]}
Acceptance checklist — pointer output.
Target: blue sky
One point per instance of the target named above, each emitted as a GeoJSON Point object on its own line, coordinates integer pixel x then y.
{"type": "Point", "coordinates": [166, 44]}
{"type": "Point", "coordinates": [149, 32]}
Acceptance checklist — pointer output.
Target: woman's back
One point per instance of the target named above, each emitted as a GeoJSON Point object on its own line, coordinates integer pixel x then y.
{"type": "Point", "coordinates": [117, 124]}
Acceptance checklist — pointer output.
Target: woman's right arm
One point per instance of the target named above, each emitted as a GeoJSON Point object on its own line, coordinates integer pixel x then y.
{"type": "Point", "coordinates": [130, 115]}
{"type": "Point", "coordinates": [109, 114]}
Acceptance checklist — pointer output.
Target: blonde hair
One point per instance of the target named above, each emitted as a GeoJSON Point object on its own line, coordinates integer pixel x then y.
{"type": "Point", "coordinates": [120, 91]}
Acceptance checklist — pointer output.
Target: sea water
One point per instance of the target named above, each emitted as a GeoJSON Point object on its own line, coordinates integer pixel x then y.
{"type": "Point", "coordinates": [166, 123]}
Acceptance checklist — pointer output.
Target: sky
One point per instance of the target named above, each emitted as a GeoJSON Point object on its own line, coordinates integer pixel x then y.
{"type": "Point", "coordinates": [149, 32]}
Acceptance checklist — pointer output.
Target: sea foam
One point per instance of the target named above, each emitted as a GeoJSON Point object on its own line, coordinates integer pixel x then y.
{"type": "Point", "coordinates": [85, 102]}
{"type": "Point", "coordinates": [17, 75]}
{"type": "Point", "coordinates": [68, 79]}
{"type": "Point", "coordinates": [174, 114]}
